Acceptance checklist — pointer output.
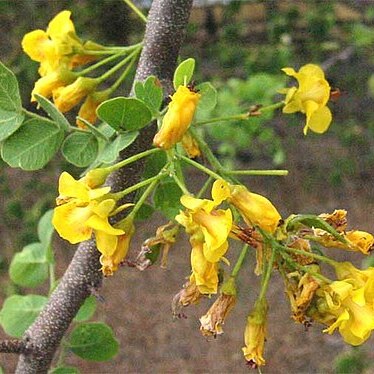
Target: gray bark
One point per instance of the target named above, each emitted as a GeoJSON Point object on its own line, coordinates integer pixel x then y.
{"type": "Point", "coordinates": [167, 20]}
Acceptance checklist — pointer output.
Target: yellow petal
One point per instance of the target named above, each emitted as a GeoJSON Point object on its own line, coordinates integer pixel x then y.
{"type": "Point", "coordinates": [69, 221]}
{"type": "Point", "coordinates": [100, 224]}
{"type": "Point", "coordinates": [106, 243]}
{"type": "Point", "coordinates": [220, 191]}
{"type": "Point", "coordinates": [68, 186]}
{"type": "Point", "coordinates": [289, 71]}
{"type": "Point", "coordinates": [194, 204]}
{"type": "Point", "coordinates": [104, 208]}
{"type": "Point", "coordinates": [320, 120]}
{"type": "Point", "coordinates": [35, 44]}
{"type": "Point", "coordinates": [60, 25]}
{"type": "Point", "coordinates": [312, 70]}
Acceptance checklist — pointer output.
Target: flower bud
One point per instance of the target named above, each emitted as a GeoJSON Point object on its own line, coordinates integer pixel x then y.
{"type": "Point", "coordinates": [88, 109]}
{"type": "Point", "coordinates": [255, 334]}
{"type": "Point", "coordinates": [65, 98]}
{"type": "Point", "coordinates": [178, 118]}
{"type": "Point", "coordinates": [255, 209]}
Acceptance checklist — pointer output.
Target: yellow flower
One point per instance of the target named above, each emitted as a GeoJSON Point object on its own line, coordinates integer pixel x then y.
{"type": "Point", "coordinates": [204, 221]}
{"type": "Point", "coordinates": [178, 118]}
{"type": "Point", "coordinates": [111, 260]}
{"type": "Point", "coordinates": [255, 209]}
{"type": "Point", "coordinates": [348, 304]}
{"type": "Point", "coordinates": [69, 96]}
{"type": "Point", "coordinates": [88, 109]}
{"type": "Point", "coordinates": [45, 85]}
{"type": "Point", "coordinates": [310, 97]}
{"type": "Point", "coordinates": [255, 334]}
{"type": "Point", "coordinates": [51, 46]}
{"type": "Point", "coordinates": [82, 211]}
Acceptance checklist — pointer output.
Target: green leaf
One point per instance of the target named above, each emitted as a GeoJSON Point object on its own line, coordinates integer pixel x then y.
{"type": "Point", "coordinates": [29, 268]}
{"type": "Point", "coordinates": [11, 116]}
{"type": "Point", "coordinates": [315, 222]}
{"type": "Point", "coordinates": [208, 99]}
{"type": "Point", "coordinates": [80, 148]}
{"type": "Point", "coordinates": [53, 112]}
{"type": "Point", "coordinates": [167, 199]}
{"type": "Point", "coordinates": [144, 212]}
{"type": "Point", "coordinates": [45, 228]}
{"type": "Point", "coordinates": [33, 145]}
{"type": "Point", "coordinates": [184, 72]}
{"type": "Point", "coordinates": [93, 341]}
{"type": "Point", "coordinates": [150, 92]}
{"type": "Point", "coordinates": [9, 123]}
{"type": "Point", "coordinates": [64, 370]}
{"type": "Point", "coordinates": [154, 164]}
{"type": "Point", "coordinates": [111, 151]}
{"type": "Point", "coordinates": [87, 310]}
{"type": "Point", "coordinates": [124, 113]}
{"type": "Point", "coordinates": [19, 312]}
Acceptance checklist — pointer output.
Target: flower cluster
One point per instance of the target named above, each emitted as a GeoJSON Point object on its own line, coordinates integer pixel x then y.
{"type": "Point", "coordinates": [59, 51]}
{"type": "Point", "coordinates": [345, 304]}
{"type": "Point", "coordinates": [83, 209]}
{"type": "Point", "coordinates": [209, 227]}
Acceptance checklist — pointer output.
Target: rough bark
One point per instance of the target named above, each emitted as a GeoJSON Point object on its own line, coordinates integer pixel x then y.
{"type": "Point", "coordinates": [167, 20]}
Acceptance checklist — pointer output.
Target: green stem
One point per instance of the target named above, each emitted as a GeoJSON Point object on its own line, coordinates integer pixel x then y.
{"type": "Point", "coordinates": [125, 73]}
{"type": "Point", "coordinates": [133, 159]}
{"type": "Point", "coordinates": [200, 167]}
{"type": "Point", "coordinates": [138, 12]}
{"type": "Point", "coordinates": [204, 187]}
{"type": "Point", "coordinates": [234, 117]}
{"type": "Point", "coordinates": [242, 116]}
{"type": "Point", "coordinates": [181, 185]}
{"type": "Point", "coordinates": [111, 71]}
{"type": "Point", "coordinates": [205, 149]}
{"type": "Point", "coordinates": [35, 115]}
{"type": "Point", "coordinates": [309, 254]}
{"type": "Point", "coordinates": [239, 261]}
{"type": "Point", "coordinates": [267, 276]}
{"type": "Point", "coordinates": [121, 194]}
{"type": "Point", "coordinates": [257, 172]}
{"type": "Point", "coordinates": [100, 63]}
{"type": "Point", "coordinates": [144, 196]}
{"type": "Point", "coordinates": [51, 269]}
{"type": "Point", "coordinates": [305, 269]}
{"type": "Point", "coordinates": [271, 107]}
{"type": "Point", "coordinates": [92, 129]}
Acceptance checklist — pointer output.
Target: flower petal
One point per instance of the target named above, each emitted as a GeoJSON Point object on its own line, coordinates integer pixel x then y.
{"type": "Point", "coordinates": [320, 120]}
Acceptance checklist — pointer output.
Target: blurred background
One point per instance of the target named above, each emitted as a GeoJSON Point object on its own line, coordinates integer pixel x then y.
{"type": "Point", "coordinates": [240, 46]}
